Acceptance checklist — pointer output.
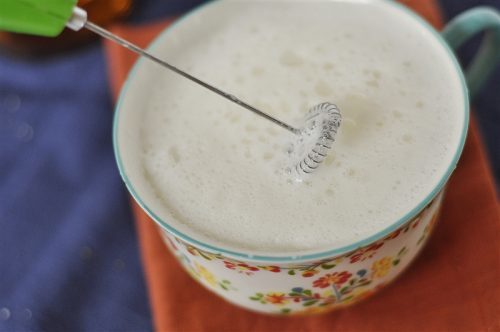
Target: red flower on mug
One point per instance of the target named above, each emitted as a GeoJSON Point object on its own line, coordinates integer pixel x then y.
{"type": "Point", "coordinates": [336, 278]}
{"type": "Point", "coordinates": [240, 267]}
{"type": "Point", "coordinates": [366, 253]}
{"type": "Point", "coordinates": [309, 273]}
{"type": "Point", "coordinates": [271, 268]}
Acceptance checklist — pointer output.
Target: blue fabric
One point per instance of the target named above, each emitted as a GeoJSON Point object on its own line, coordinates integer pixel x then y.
{"type": "Point", "coordinates": [68, 252]}
{"type": "Point", "coordinates": [69, 257]}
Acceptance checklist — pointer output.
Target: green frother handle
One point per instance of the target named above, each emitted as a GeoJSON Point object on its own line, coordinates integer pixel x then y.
{"type": "Point", "coordinates": [36, 17]}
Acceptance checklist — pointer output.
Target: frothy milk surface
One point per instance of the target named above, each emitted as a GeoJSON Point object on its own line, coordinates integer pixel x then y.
{"type": "Point", "coordinates": [215, 171]}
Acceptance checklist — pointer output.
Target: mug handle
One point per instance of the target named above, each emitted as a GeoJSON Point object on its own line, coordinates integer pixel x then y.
{"type": "Point", "coordinates": [464, 26]}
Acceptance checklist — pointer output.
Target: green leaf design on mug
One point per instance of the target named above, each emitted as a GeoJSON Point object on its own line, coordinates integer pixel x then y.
{"type": "Point", "coordinates": [327, 266]}
{"type": "Point", "coordinates": [308, 303]}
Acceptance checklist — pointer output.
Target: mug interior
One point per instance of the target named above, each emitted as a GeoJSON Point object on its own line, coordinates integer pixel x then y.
{"type": "Point", "coordinates": [123, 141]}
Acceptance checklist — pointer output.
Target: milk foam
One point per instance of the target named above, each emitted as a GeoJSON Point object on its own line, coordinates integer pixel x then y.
{"type": "Point", "coordinates": [215, 171]}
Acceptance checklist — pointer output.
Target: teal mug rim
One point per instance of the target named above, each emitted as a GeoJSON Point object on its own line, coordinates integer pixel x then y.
{"type": "Point", "coordinates": [311, 256]}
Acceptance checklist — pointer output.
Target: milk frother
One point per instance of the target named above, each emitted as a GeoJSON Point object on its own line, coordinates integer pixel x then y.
{"type": "Point", "coordinates": [49, 17]}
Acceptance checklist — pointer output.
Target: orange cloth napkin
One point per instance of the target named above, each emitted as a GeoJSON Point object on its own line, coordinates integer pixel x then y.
{"type": "Point", "coordinates": [453, 286]}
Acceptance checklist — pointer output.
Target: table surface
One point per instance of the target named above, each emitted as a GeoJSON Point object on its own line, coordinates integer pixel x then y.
{"type": "Point", "coordinates": [68, 247]}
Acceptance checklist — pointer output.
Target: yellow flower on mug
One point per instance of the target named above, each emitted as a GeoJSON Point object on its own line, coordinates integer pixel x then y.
{"type": "Point", "coordinates": [381, 267]}
{"type": "Point", "coordinates": [206, 275]}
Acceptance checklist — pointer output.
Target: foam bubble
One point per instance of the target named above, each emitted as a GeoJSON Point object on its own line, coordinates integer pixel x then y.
{"type": "Point", "coordinates": [250, 128]}
{"type": "Point", "coordinates": [328, 66]}
{"type": "Point", "coordinates": [323, 89]}
{"type": "Point", "coordinates": [258, 71]}
{"type": "Point", "coordinates": [268, 155]}
{"type": "Point", "coordinates": [291, 59]}
{"type": "Point", "coordinates": [407, 138]}
{"type": "Point", "coordinates": [372, 83]}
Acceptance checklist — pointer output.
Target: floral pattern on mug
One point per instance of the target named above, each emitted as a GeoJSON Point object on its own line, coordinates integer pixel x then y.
{"type": "Point", "coordinates": [335, 278]}
{"type": "Point", "coordinates": [201, 273]}
{"type": "Point", "coordinates": [428, 228]}
{"type": "Point", "coordinates": [381, 267]}
{"type": "Point", "coordinates": [198, 252]}
{"type": "Point", "coordinates": [365, 253]}
{"type": "Point", "coordinates": [325, 291]}
{"type": "Point", "coordinates": [341, 288]}
{"type": "Point", "coordinates": [240, 267]}
{"type": "Point", "coordinates": [308, 287]}
{"type": "Point", "coordinates": [304, 270]}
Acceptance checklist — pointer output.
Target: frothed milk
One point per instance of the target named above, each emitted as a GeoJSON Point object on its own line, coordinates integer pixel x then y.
{"type": "Point", "coordinates": [216, 171]}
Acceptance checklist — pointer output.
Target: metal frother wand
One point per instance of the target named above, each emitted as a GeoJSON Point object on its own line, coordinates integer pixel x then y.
{"type": "Point", "coordinates": [48, 18]}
